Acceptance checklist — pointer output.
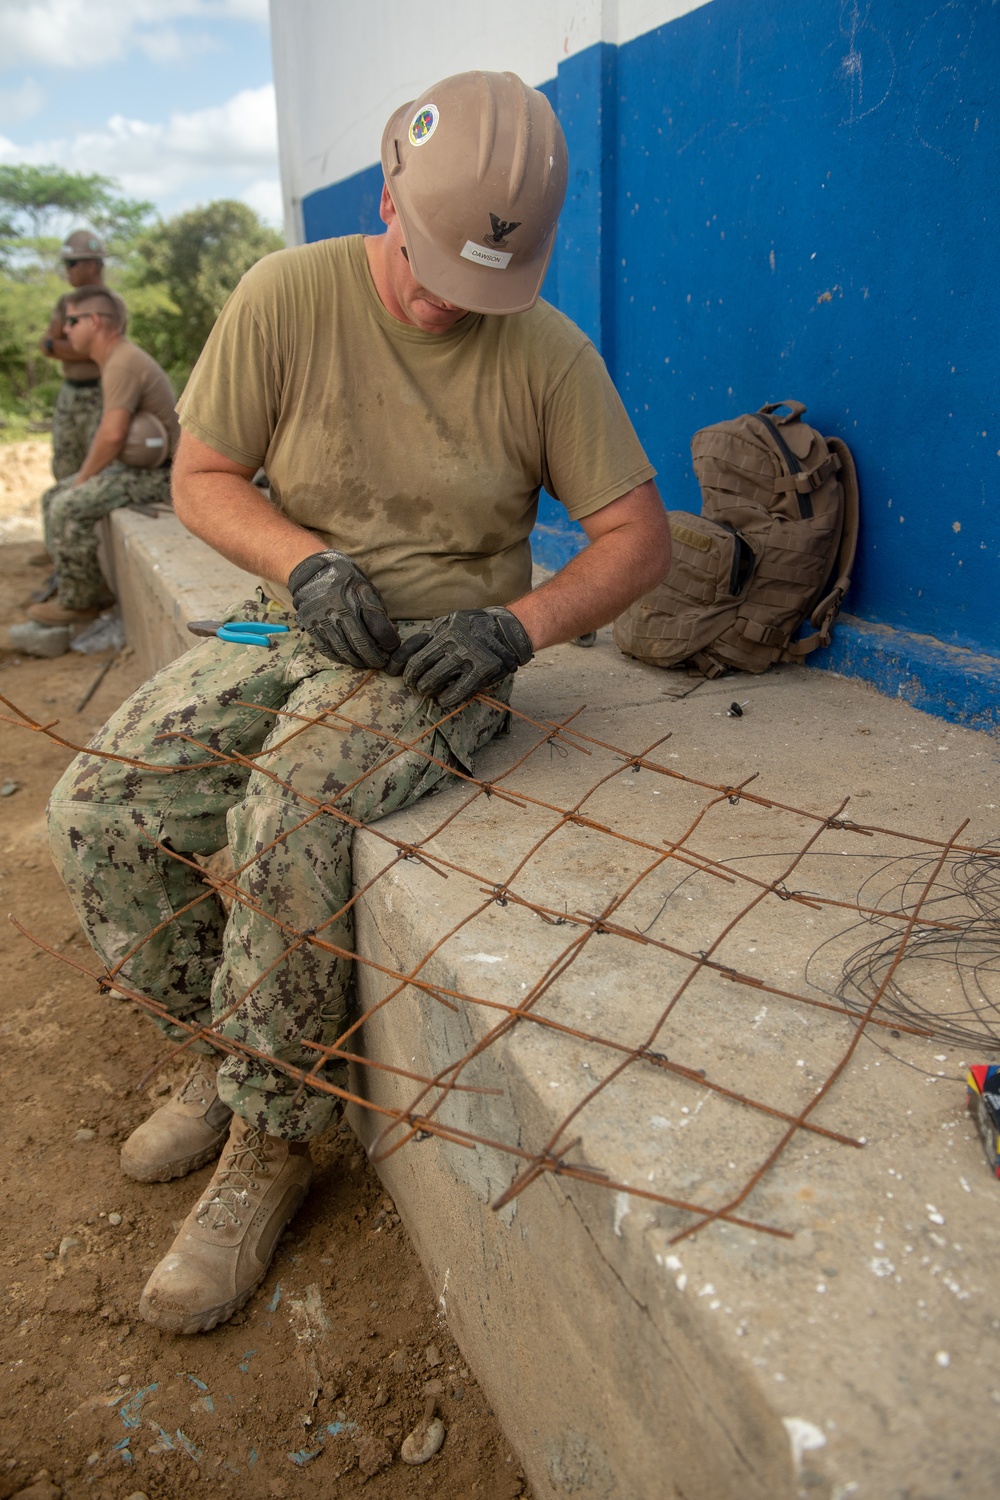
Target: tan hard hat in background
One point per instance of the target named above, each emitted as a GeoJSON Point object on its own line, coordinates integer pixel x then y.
{"type": "Point", "coordinates": [147, 445]}
{"type": "Point", "coordinates": [476, 168]}
{"type": "Point", "coordinates": [82, 245]}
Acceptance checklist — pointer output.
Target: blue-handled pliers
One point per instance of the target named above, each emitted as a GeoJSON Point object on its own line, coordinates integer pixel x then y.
{"type": "Point", "coordinates": [239, 632]}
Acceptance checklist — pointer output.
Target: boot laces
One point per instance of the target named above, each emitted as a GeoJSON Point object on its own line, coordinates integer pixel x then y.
{"type": "Point", "coordinates": [234, 1182]}
{"type": "Point", "coordinates": [196, 1090]}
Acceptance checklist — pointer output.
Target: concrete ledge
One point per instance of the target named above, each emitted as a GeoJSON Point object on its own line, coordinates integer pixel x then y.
{"type": "Point", "coordinates": [163, 577]}
{"type": "Point", "coordinates": [621, 1363]}
{"type": "Point", "coordinates": [959, 685]}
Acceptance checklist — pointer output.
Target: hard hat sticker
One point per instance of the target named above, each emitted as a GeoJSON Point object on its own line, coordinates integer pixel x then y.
{"type": "Point", "coordinates": [486, 256]}
{"type": "Point", "coordinates": [501, 227]}
{"type": "Point", "coordinates": [423, 125]}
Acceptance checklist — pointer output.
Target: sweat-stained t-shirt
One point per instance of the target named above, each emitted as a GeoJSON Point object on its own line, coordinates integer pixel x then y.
{"type": "Point", "coordinates": [419, 455]}
{"type": "Point", "coordinates": [133, 381]}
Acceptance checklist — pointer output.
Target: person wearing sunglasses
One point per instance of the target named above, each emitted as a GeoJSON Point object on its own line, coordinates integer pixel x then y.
{"type": "Point", "coordinates": [78, 405]}
{"type": "Point", "coordinates": [128, 459]}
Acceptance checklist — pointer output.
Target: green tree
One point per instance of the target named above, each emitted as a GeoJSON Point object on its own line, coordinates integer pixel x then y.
{"type": "Point", "coordinates": [31, 198]}
{"type": "Point", "coordinates": [183, 270]}
{"type": "Point", "coordinates": [38, 204]}
{"type": "Point", "coordinates": [29, 383]}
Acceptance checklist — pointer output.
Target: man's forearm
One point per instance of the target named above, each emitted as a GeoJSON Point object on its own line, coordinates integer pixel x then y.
{"type": "Point", "coordinates": [103, 450]}
{"type": "Point", "coordinates": [59, 348]}
{"type": "Point", "coordinates": [602, 580]}
{"type": "Point", "coordinates": [233, 517]}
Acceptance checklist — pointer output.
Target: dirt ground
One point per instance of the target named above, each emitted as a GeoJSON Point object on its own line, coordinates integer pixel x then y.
{"type": "Point", "coordinates": [311, 1389]}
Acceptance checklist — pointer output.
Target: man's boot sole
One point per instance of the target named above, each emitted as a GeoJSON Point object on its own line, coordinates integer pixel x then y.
{"type": "Point", "coordinates": [172, 1170]}
{"type": "Point", "coordinates": [203, 1322]}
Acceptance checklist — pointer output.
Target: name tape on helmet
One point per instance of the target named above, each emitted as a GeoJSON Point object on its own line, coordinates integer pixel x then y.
{"type": "Point", "coordinates": [484, 256]}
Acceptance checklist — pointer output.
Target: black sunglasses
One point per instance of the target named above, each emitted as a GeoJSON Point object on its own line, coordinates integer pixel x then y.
{"type": "Point", "coordinates": [71, 322]}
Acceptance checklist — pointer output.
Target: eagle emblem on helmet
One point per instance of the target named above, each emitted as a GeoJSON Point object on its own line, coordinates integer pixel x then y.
{"type": "Point", "coordinates": [501, 229]}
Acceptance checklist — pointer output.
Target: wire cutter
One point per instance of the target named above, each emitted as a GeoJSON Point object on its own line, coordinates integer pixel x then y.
{"type": "Point", "coordinates": [239, 632]}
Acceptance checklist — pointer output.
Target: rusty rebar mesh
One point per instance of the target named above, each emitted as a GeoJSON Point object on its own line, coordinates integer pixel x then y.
{"type": "Point", "coordinates": [630, 933]}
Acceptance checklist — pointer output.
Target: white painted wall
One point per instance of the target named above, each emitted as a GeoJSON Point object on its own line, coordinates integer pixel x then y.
{"type": "Point", "coordinates": [341, 70]}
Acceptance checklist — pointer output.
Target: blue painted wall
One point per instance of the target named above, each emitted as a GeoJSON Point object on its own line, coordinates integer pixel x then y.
{"type": "Point", "coordinates": [798, 199]}
{"type": "Point", "coordinates": [808, 207]}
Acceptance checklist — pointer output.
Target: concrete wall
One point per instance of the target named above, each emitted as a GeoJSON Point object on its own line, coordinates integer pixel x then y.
{"type": "Point", "coordinates": [766, 199]}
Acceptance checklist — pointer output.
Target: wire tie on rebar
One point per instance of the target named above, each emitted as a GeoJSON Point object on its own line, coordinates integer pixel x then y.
{"type": "Point", "coordinates": [500, 895]}
{"type": "Point", "coordinates": [733, 793]}
{"type": "Point", "coordinates": [660, 1057]}
{"type": "Point", "coordinates": [781, 890]}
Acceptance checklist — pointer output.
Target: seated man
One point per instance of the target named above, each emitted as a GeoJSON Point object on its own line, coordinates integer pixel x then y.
{"type": "Point", "coordinates": [408, 395]}
{"type": "Point", "coordinates": [132, 383]}
{"type": "Point", "coordinates": [78, 407]}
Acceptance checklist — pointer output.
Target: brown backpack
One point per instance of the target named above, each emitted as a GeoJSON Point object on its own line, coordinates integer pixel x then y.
{"type": "Point", "coordinates": [773, 547]}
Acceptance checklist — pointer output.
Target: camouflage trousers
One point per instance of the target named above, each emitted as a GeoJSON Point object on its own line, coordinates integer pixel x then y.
{"type": "Point", "coordinates": [121, 834]}
{"type": "Point", "coordinates": [70, 516]}
{"type": "Point", "coordinates": [76, 418]}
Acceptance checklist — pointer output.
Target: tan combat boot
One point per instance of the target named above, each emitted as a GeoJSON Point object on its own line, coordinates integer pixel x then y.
{"type": "Point", "coordinates": [182, 1134]}
{"type": "Point", "coordinates": [225, 1244]}
{"type": "Point", "coordinates": [51, 612]}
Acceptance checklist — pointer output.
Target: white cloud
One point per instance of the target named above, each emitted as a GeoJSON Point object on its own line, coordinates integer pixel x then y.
{"type": "Point", "coordinates": [87, 33]}
{"type": "Point", "coordinates": [182, 161]}
{"type": "Point", "coordinates": [264, 197]}
{"type": "Point", "coordinates": [21, 103]}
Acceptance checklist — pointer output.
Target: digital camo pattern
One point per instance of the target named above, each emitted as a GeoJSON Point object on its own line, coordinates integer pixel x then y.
{"type": "Point", "coordinates": [76, 418]}
{"type": "Point", "coordinates": [104, 816]}
{"type": "Point", "coordinates": [70, 516]}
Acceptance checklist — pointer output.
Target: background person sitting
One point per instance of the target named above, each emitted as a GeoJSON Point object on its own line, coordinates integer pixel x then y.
{"type": "Point", "coordinates": [132, 383]}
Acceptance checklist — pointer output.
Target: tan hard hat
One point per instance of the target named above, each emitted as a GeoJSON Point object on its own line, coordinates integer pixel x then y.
{"type": "Point", "coordinates": [476, 168]}
{"type": "Point", "coordinates": [147, 445]}
{"type": "Point", "coordinates": [82, 245]}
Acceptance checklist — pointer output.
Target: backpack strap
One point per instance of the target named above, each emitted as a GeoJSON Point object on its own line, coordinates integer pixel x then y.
{"type": "Point", "coordinates": [825, 614]}
{"type": "Point", "coordinates": [794, 409]}
{"type": "Point", "coordinates": [701, 664]}
{"type": "Point", "coordinates": [810, 479]}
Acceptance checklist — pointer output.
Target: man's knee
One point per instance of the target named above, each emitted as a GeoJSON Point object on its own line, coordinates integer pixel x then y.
{"type": "Point", "coordinates": [89, 785]}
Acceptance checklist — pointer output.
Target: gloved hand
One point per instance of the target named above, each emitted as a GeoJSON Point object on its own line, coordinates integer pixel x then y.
{"type": "Point", "coordinates": [462, 653]}
{"type": "Point", "coordinates": [342, 610]}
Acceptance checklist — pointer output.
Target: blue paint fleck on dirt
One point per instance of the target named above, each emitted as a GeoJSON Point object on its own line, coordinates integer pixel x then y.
{"type": "Point", "coordinates": [131, 1412]}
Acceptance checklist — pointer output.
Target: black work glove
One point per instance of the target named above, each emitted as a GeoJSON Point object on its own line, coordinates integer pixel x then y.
{"type": "Point", "coordinates": [342, 610]}
{"type": "Point", "coordinates": [462, 653]}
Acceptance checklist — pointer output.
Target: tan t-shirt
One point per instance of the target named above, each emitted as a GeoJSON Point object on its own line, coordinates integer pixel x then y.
{"type": "Point", "coordinates": [419, 455]}
{"type": "Point", "coordinates": [131, 379]}
{"type": "Point", "coordinates": [86, 369]}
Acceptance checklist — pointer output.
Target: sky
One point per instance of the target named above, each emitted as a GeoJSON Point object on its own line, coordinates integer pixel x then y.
{"type": "Point", "coordinates": [171, 98]}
